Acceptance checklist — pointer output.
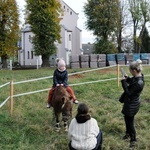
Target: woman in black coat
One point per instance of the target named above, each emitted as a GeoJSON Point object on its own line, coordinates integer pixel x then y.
{"type": "Point", "coordinates": [131, 98]}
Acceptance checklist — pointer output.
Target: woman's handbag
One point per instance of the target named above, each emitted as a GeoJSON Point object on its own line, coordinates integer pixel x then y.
{"type": "Point", "coordinates": [122, 98]}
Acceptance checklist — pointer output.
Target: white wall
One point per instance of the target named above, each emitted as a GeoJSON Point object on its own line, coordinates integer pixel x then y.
{"type": "Point", "coordinates": [27, 57]}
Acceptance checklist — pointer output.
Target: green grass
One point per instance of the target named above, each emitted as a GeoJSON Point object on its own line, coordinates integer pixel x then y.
{"type": "Point", "coordinates": [32, 126]}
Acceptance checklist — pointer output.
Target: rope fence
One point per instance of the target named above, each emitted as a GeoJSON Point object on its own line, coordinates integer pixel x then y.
{"type": "Point", "coordinates": [4, 84]}
{"type": "Point", "coordinates": [49, 77]}
{"type": "Point", "coordinates": [37, 79]}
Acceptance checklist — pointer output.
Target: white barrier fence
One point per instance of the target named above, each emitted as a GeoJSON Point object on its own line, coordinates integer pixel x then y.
{"type": "Point", "coordinates": [42, 90]}
{"type": "Point", "coordinates": [4, 84]}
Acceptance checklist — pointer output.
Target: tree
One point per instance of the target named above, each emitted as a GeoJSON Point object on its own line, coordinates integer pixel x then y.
{"type": "Point", "coordinates": [105, 47]}
{"type": "Point", "coordinates": [145, 40]}
{"type": "Point", "coordinates": [119, 28]}
{"type": "Point", "coordinates": [139, 10]}
{"type": "Point", "coordinates": [43, 16]}
{"type": "Point", "coordinates": [122, 23]}
{"type": "Point", "coordinates": [9, 29]}
{"type": "Point", "coordinates": [145, 7]}
{"type": "Point", "coordinates": [134, 8]}
{"type": "Point", "coordinates": [102, 16]}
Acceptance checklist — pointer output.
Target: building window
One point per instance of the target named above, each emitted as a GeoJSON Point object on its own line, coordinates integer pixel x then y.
{"type": "Point", "coordinates": [69, 37]}
{"type": "Point", "coordinates": [31, 54]}
{"type": "Point", "coordinates": [28, 54]}
{"type": "Point", "coordinates": [30, 38]}
{"type": "Point", "coordinates": [71, 13]}
{"type": "Point", "coordinates": [64, 7]}
{"type": "Point", "coordinates": [67, 9]}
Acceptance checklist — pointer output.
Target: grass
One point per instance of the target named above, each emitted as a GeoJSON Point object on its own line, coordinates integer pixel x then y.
{"type": "Point", "coordinates": [32, 125]}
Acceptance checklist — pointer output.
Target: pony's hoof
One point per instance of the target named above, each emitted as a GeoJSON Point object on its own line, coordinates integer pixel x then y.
{"type": "Point", "coordinates": [66, 129]}
{"type": "Point", "coordinates": [57, 129]}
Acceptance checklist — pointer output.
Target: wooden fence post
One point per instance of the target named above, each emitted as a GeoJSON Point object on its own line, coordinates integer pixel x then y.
{"type": "Point", "coordinates": [118, 71]}
{"type": "Point", "coordinates": [11, 97]}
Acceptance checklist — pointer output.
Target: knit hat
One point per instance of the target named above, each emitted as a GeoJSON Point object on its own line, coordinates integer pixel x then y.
{"type": "Point", "coordinates": [61, 63]}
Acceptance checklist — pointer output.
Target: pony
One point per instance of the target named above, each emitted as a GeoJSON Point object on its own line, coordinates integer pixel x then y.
{"type": "Point", "coordinates": [62, 104]}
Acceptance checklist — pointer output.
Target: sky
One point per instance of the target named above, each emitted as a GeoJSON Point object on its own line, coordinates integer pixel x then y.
{"type": "Point", "coordinates": [77, 6]}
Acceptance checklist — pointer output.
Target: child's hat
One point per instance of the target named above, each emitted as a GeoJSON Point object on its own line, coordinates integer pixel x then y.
{"type": "Point", "coordinates": [61, 63]}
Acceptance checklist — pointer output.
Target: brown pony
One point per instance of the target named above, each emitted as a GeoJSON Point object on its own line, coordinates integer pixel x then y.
{"type": "Point", "coordinates": [61, 103]}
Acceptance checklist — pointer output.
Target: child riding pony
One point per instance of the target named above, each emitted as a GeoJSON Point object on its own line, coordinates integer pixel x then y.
{"type": "Point", "coordinates": [60, 78]}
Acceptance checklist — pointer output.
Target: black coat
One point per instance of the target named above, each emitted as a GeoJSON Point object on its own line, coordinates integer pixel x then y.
{"type": "Point", "coordinates": [60, 77]}
{"type": "Point", "coordinates": [131, 96]}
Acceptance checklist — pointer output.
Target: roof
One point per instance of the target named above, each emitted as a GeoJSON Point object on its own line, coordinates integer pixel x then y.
{"type": "Point", "coordinates": [65, 28]}
{"type": "Point", "coordinates": [70, 8]}
{"type": "Point", "coordinates": [26, 29]}
{"type": "Point", "coordinates": [78, 28]}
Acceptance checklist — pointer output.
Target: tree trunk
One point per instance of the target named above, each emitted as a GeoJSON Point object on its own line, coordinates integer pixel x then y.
{"type": "Point", "coordinates": [4, 61]}
{"type": "Point", "coordinates": [45, 60]}
{"type": "Point", "coordinates": [134, 38]}
{"type": "Point", "coordinates": [140, 36]}
{"type": "Point", "coordinates": [120, 41]}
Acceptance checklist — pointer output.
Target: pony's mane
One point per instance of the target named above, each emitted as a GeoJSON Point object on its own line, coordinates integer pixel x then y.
{"type": "Point", "coordinates": [60, 89]}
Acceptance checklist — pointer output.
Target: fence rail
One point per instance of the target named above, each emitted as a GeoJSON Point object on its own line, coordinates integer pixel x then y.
{"type": "Point", "coordinates": [4, 84]}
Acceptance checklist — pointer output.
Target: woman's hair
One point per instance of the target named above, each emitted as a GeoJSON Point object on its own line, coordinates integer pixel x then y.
{"type": "Point", "coordinates": [83, 109]}
{"type": "Point", "coordinates": [82, 114]}
{"type": "Point", "coordinates": [136, 65]}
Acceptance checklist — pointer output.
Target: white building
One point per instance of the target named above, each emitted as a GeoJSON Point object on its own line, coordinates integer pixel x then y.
{"type": "Point", "coordinates": [70, 40]}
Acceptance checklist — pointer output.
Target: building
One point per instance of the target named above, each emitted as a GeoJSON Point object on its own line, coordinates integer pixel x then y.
{"type": "Point", "coordinates": [70, 44]}
{"type": "Point", "coordinates": [88, 48]}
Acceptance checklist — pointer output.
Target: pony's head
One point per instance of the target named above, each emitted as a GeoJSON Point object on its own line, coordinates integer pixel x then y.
{"type": "Point", "coordinates": [66, 108]}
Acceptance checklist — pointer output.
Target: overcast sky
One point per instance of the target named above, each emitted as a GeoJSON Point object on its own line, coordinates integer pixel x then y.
{"type": "Point", "coordinates": [77, 6]}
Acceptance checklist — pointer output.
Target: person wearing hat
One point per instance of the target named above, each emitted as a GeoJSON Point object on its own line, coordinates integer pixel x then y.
{"type": "Point", "coordinates": [60, 78]}
{"type": "Point", "coordinates": [83, 132]}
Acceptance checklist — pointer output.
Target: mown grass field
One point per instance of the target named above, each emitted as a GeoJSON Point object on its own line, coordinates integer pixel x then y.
{"type": "Point", "coordinates": [32, 127]}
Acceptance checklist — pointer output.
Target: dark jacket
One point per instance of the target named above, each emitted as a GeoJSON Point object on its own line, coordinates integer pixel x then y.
{"type": "Point", "coordinates": [131, 96]}
{"type": "Point", "coordinates": [60, 77]}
